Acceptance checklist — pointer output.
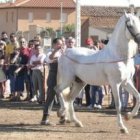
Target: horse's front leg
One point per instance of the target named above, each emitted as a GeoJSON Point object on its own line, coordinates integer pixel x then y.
{"type": "Point", "coordinates": [72, 115]}
{"type": "Point", "coordinates": [129, 86]}
{"type": "Point", "coordinates": [115, 89]}
{"type": "Point", "coordinates": [61, 111]}
{"type": "Point", "coordinates": [76, 88]}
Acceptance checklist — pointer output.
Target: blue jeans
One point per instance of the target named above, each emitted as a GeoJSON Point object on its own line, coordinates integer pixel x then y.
{"type": "Point", "coordinates": [20, 83]}
{"type": "Point", "coordinates": [16, 83]}
{"type": "Point", "coordinates": [12, 83]}
{"type": "Point", "coordinates": [96, 95]}
{"type": "Point", "coordinates": [29, 84]}
{"type": "Point", "coordinates": [124, 96]}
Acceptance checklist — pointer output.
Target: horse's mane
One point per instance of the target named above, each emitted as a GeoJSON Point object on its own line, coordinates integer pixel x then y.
{"type": "Point", "coordinates": [116, 32]}
{"type": "Point", "coordinates": [119, 46]}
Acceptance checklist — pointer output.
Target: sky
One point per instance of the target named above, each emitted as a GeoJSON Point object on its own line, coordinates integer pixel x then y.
{"type": "Point", "coordinates": [2, 0]}
{"type": "Point", "coordinates": [110, 2]}
{"type": "Point", "coordinates": [107, 2]}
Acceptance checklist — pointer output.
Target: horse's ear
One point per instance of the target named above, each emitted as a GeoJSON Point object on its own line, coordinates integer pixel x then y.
{"type": "Point", "coordinates": [125, 13]}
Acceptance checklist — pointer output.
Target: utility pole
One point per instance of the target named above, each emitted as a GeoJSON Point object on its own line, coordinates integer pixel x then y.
{"type": "Point", "coordinates": [131, 6]}
{"type": "Point", "coordinates": [61, 18]}
{"type": "Point", "coordinates": [78, 24]}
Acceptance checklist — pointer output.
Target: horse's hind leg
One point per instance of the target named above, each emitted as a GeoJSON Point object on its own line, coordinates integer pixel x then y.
{"type": "Point", "coordinates": [129, 86]}
{"type": "Point", "coordinates": [59, 89]}
{"type": "Point", "coordinates": [77, 86]}
{"type": "Point", "coordinates": [115, 88]}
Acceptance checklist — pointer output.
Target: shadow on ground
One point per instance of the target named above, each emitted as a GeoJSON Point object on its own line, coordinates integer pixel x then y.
{"type": "Point", "coordinates": [39, 128]}
{"type": "Point", "coordinates": [26, 105]}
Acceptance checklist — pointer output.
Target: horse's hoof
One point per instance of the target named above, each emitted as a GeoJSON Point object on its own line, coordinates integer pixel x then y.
{"type": "Point", "coordinates": [79, 124]}
{"type": "Point", "coordinates": [127, 116]}
{"type": "Point", "coordinates": [62, 120]}
{"type": "Point", "coordinates": [68, 121]}
{"type": "Point", "coordinates": [60, 113]}
{"type": "Point", "coordinates": [124, 131]}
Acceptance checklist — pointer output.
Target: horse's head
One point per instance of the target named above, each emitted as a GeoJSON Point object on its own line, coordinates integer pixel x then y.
{"type": "Point", "coordinates": [133, 26]}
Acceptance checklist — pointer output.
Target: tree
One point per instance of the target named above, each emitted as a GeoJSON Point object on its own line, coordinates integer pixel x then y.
{"type": "Point", "coordinates": [47, 32]}
{"type": "Point", "coordinates": [69, 29]}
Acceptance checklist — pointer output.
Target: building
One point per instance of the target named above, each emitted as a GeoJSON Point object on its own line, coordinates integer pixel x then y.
{"type": "Point", "coordinates": [99, 22]}
{"type": "Point", "coordinates": [29, 17]}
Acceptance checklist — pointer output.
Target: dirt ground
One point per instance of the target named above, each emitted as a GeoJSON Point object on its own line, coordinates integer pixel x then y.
{"type": "Point", "coordinates": [21, 121]}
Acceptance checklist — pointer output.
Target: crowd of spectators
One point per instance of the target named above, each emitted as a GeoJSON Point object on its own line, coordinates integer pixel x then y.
{"type": "Point", "coordinates": [22, 63]}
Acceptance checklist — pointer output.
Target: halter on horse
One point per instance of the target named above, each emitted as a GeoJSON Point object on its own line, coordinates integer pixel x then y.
{"type": "Point", "coordinates": [114, 65]}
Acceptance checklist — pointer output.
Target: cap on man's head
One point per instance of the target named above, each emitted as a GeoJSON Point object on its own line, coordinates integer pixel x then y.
{"type": "Point", "coordinates": [89, 41]}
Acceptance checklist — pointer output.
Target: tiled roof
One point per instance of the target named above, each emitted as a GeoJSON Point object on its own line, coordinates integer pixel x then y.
{"type": "Point", "coordinates": [103, 17]}
{"type": "Point", "coordinates": [103, 22]}
{"type": "Point", "coordinates": [99, 17]}
{"type": "Point", "coordinates": [40, 3]}
{"type": "Point", "coordinates": [102, 11]}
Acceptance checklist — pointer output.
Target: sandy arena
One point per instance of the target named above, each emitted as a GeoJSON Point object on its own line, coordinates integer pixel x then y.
{"type": "Point", "coordinates": [21, 121]}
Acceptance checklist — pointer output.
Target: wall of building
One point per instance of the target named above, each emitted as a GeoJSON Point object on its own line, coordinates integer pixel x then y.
{"type": "Point", "coordinates": [84, 31]}
{"type": "Point", "coordinates": [97, 32]}
{"type": "Point", "coordinates": [16, 19]}
{"type": "Point", "coordinates": [8, 20]}
{"type": "Point", "coordinates": [39, 18]}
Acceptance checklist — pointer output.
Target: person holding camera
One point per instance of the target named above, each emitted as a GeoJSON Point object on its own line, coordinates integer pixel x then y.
{"type": "Point", "coordinates": [51, 59]}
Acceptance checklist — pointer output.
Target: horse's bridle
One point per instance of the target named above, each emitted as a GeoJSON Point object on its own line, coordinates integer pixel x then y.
{"type": "Point", "coordinates": [134, 35]}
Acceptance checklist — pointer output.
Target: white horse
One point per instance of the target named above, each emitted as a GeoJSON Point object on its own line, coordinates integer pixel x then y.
{"type": "Point", "coordinates": [113, 65]}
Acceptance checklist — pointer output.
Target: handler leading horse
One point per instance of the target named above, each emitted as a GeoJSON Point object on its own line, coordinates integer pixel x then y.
{"type": "Point", "coordinates": [113, 65]}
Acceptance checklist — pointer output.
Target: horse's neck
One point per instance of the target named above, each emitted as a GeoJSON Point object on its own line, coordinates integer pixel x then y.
{"type": "Point", "coordinates": [119, 46]}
